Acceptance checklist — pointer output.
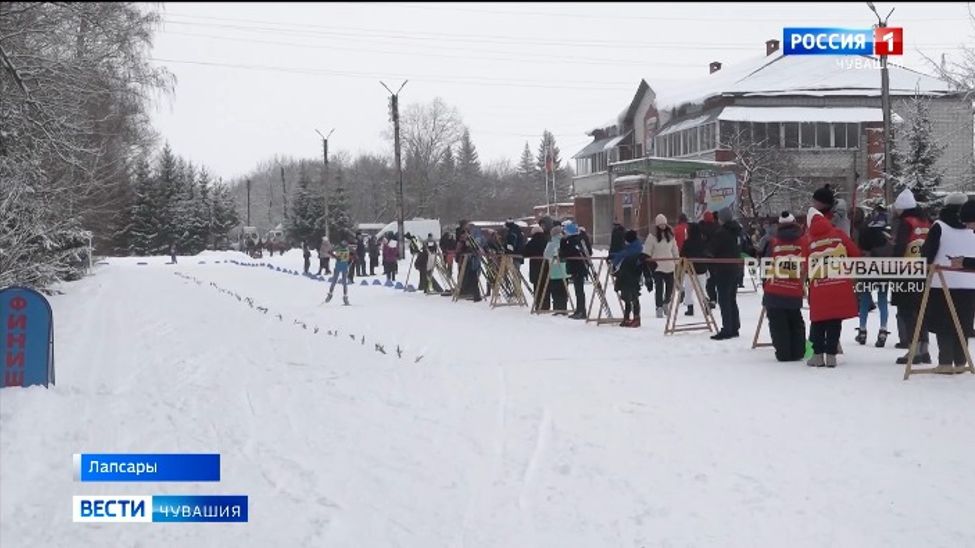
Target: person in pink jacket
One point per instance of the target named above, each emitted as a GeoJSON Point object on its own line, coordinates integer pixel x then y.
{"type": "Point", "coordinates": [390, 259]}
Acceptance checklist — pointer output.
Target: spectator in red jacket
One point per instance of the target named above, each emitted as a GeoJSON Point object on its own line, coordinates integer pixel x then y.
{"type": "Point", "coordinates": [831, 300]}
{"type": "Point", "coordinates": [680, 231]}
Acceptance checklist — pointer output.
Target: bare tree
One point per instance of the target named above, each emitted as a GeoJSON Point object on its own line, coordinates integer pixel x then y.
{"type": "Point", "coordinates": [960, 70]}
{"type": "Point", "coordinates": [427, 132]}
{"type": "Point", "coordinates": [764, 174]}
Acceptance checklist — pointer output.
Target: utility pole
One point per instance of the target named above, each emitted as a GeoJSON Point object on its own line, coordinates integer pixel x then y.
{"type": "Point", "coordinates": [248, 202]}
{"type": "Point", "coordinates": [885, 106]}
{"type": "Point", "coordinates": [270, 203]}
{"type": "Point", "coordinates": [394, 114]}
{"type": "Point", "coordinates": [324, 175]}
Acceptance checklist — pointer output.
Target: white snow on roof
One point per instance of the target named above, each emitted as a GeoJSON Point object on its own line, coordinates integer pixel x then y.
{"type": "Point", "coordinates": [801, 114]}
{"type": "Point", "coordinates": [685, 124]}
{"type": "Point", "coordinates": [796, 75]}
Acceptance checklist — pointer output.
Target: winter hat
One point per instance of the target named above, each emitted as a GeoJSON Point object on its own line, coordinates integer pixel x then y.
{"type": "Point", "coordinates": [956, 199]}
{"type": "Point", "coordinates": [905, 200]}
{"type": "Point", "coordinates": [967, 213]}
{"type": "Point", "coordinates": [556, 231]}
{"type": "Point", "coordinates": [708, 217]}
{"type": "Point", "coordinates": [630, 236]}
{"type": "Point", "coordinates": [571, 228]}
{"type": "Point", "coordinates": [392, 243]}
{"type": "Point", "coordinates": [811, 214]}
{"type": "Point", "coordinates": [725, 215]}
{"type": "Point", "coordinates": [786, 218]}
{"type": "Point", "coordinates": [825, 195]}
{"type": "Point", "coordinates": [660, 219]}
{"type": "Point", "coordinates": [536, 230]}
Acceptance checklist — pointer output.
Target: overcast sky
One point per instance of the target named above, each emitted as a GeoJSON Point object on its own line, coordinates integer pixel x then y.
{"type": "Point", "coordinates": [511, 70]}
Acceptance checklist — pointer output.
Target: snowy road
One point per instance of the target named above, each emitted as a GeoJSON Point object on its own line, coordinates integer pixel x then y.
{"type": "Point", "coordinates": [513, 430]}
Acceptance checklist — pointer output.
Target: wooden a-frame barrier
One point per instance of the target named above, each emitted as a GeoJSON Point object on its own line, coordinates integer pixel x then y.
{"type": "Point", "coordinates": [461, 273]}
{"type": "Point", "coordinates": [909, 369]}
{"type": "Point", "coordinates": [600, 280]}
{"type": "Point", "coordinates": [542, 288]}
{"type": "Point", "coordinates": [686, 268]}
{"type": "Point", "coordinates": [508, 288]}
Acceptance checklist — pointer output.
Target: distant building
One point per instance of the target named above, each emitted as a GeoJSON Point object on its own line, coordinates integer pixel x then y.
{"type": "Point", "coordinates": [560, 210]}
{"type": "Point", "coordinates": [821, 112]}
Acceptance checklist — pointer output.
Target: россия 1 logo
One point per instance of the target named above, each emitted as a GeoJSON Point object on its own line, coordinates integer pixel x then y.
{"type": "Point", "coordinates": [834, 41]}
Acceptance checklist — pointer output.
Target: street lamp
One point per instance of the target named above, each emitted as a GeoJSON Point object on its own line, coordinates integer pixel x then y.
{"type": "Point", "coordinates": [885, 106]}
{"type": "Point", "coordinates": [325, 175]}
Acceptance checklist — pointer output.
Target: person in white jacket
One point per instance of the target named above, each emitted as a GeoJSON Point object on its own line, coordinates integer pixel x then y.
{"type": "Point", "coordinates": [661, 247]}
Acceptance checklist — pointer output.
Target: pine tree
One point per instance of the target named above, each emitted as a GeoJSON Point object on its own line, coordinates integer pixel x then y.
{"type": "Point", "coordinates": [470, 180]}
{"type": "Point", "coordinates": [306, 222]}
{"type": "Point", "coordinates": [547, 143]}
{"type": "Point", "coordinates": [340, 220]}
{"type": "Point", "coordinates": [223, 213]}
{"type": "Point", "coordinates": [468, 164]}
{"type": "Point", "coordinates": [548, 147]}
{"type": "Point", "coordinates": [192, 214]}
{"type": "Point", "coordinates": [167, 193]}
{"type": "Point", "coordinates": [143, 230]}
{"type": "Point", "coordinates": [919, 170]}
{"type": "Point", "coordinates": [526, 165]}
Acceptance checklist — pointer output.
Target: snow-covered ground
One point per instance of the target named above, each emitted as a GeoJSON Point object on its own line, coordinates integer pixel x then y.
{"type": "Point", "coordinates": [512, 430]}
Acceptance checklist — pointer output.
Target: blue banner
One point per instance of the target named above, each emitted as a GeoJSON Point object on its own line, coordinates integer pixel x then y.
{"type": "Point", "coordinates": [26, 338]}
{"type": "Point", "coordinates": [826, 41]}
{"type": "Point", "coordinates": [145, 467]}
{"type": "Point", "coordinates": [199, 508]}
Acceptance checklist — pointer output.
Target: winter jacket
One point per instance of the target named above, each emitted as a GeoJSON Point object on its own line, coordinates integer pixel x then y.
{"type": "Point", "coordinates": [514, 239]}
{"type": "Point", "coordinates": [724, 244]}
{"type": "Point", "coordinates": [373, 249]}
{"type": "Point", "coordinates": [949, 237]}
{"type": "Point", "coordinates": [390, 253]}
{"type": "Point", "coordinates": [695, 248]}
{"type": "Point", "coordinates": [570, 249]}
{"type": "Point", "coordinates": [785, 291]}
{"type": "Point", "coordinates": [420, 261]}
{"type": "Point", "coordinates": [680, 233]}
{"type": "Point", "coordinates": [362, 250]}
{"type": "Point", "coordinates": [557, 269]}
{"type": "Point", "coordinates": [629, 266]}
{"type": "Point", "coordinates": [341, 254]}
{"type": "Point", "coordinates": [910, 230]}
{"type": "Point", "coordinates": [535, 248]}
{"type": "Point", "coordinates": [325, 251]}
{"type": "Point", "coordinates": [663, 248]}
{"type": "Point", "coordinates": [617, 238]}
{"type": "Point", "coordinates": [829, 298]}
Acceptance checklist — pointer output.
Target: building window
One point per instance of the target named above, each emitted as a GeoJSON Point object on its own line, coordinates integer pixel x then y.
{"type": "Point", "coordinates": [707, 137]}
{"type": "Point", "coordinates": [807, 134]}
{"type": "Point", "coordinates": [839, 135]}
{"type": "Point", "coordinates": [728, 131]}
{"type": "Point", "coordinates": [791, 134]}
{"type": "Point", "coordinates": [773, 134]}
{"type": "Point", "coordinates": [852, 135]}
{"type": "Point", "coordinates": [758, 133]}
{"type": "Point", "coordinates": [638, 151]}
{"type": "Point", "coordinates": [824, 135]}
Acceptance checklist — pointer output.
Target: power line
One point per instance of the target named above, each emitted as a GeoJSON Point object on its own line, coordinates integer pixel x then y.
{"type": "Point", "coordinates": [355, 33]}
{"type": "Point", "coordinates": [611, 86]}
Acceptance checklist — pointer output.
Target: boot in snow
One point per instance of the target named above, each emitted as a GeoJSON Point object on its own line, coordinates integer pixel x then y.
{"type": "Point", "coordinates": [690, 310]}
{"type": "Point", "coordinates": [635, 322]}
{"type": "Point", "coordinates": [660, 312]}
{"type": "Point", "coordinates": [882, 338]}
{"type": "Point", "coordinates": [329, 298]}
{"type": "Point", "coordinates": [345, 300]}
{"type": "Point", "coordinates": [830, 360]}
{"type": "Point", "coordinates": [625, 322]}
{"type": "Point", "coordinates": [861, 337]}
{"type": "Point", "coordinates": [817, 360]}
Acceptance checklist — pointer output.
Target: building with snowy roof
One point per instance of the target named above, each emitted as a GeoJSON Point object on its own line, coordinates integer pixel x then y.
{"type": "Point", "coordinates": [821, 115]}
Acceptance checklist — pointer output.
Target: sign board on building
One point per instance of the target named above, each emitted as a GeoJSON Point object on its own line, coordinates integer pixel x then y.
{"type": "Point", "coordinates": [26, 338]}
{"type": "Point", "coordinates": [627, 198]}
{"type": "Point", "coordinates": [714, 193]}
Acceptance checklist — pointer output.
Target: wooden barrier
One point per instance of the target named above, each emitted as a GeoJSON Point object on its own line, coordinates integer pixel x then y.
{"type": "Point", "coordinates": [909, 369]}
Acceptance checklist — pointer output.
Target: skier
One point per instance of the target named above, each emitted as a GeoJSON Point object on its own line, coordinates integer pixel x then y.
{"type": "Point", "coordinates": [447, 246]}
{"type": "Point", "coordinates": [724, 245]}
{"type": "Point", "coordinates": [831, 300]}
{"type": "Point", "coordinates": [342, 258]}
{"type": "Point", "coordinates": [172, 252]}
{"type": "Point", "coordinates": [694, 248]}
{"type": "Point", "coordinates": [573, 250]}
{"type": "Point", "coordinates": [425, 263]}
{"type": "Point", "coordinates": [629, 265]}
{"type": "Point", "coordinates": [324, 256]}
{"type": "Point", "coordinates": [373, 255]}
{"type": "Point", "coordinates": [951, 237]}
{"type": "Point", "coordinates": [909, 235]}
{"type": "Point", "coordinates": [783, 289]}
{"type": "Point", "coordinates": [874, 241]}
{"type": "Point", "coordinates": [556, 273]}
{"type": "Point", "coordinates": [469, 285]}
{"type": "Point", "coordinates": [661, 247]}
{"type": "Point", "coordinates": [534, 252]}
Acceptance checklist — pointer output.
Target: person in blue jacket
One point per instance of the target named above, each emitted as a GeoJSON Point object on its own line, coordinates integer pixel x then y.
{"type": "Point", "coordinates": [630, 265]}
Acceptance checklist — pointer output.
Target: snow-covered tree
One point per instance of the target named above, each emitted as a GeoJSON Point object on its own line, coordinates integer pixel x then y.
{"type": "Point", "coordinates": [306, 221]}
{"type": "Point", "coordinates": [340, 223]}
{"type": "Point", "coordinates": [527, 167]}
{"type": "Point", "coordinates": [918, 170]}
{"type": "Point", "coordinates": [224, 216]}
{"type": "Point", "coordinates": [143, 232]}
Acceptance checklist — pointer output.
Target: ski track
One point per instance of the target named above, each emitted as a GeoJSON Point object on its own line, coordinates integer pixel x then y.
{"type": "Point", "coordinates": [514, 430]}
